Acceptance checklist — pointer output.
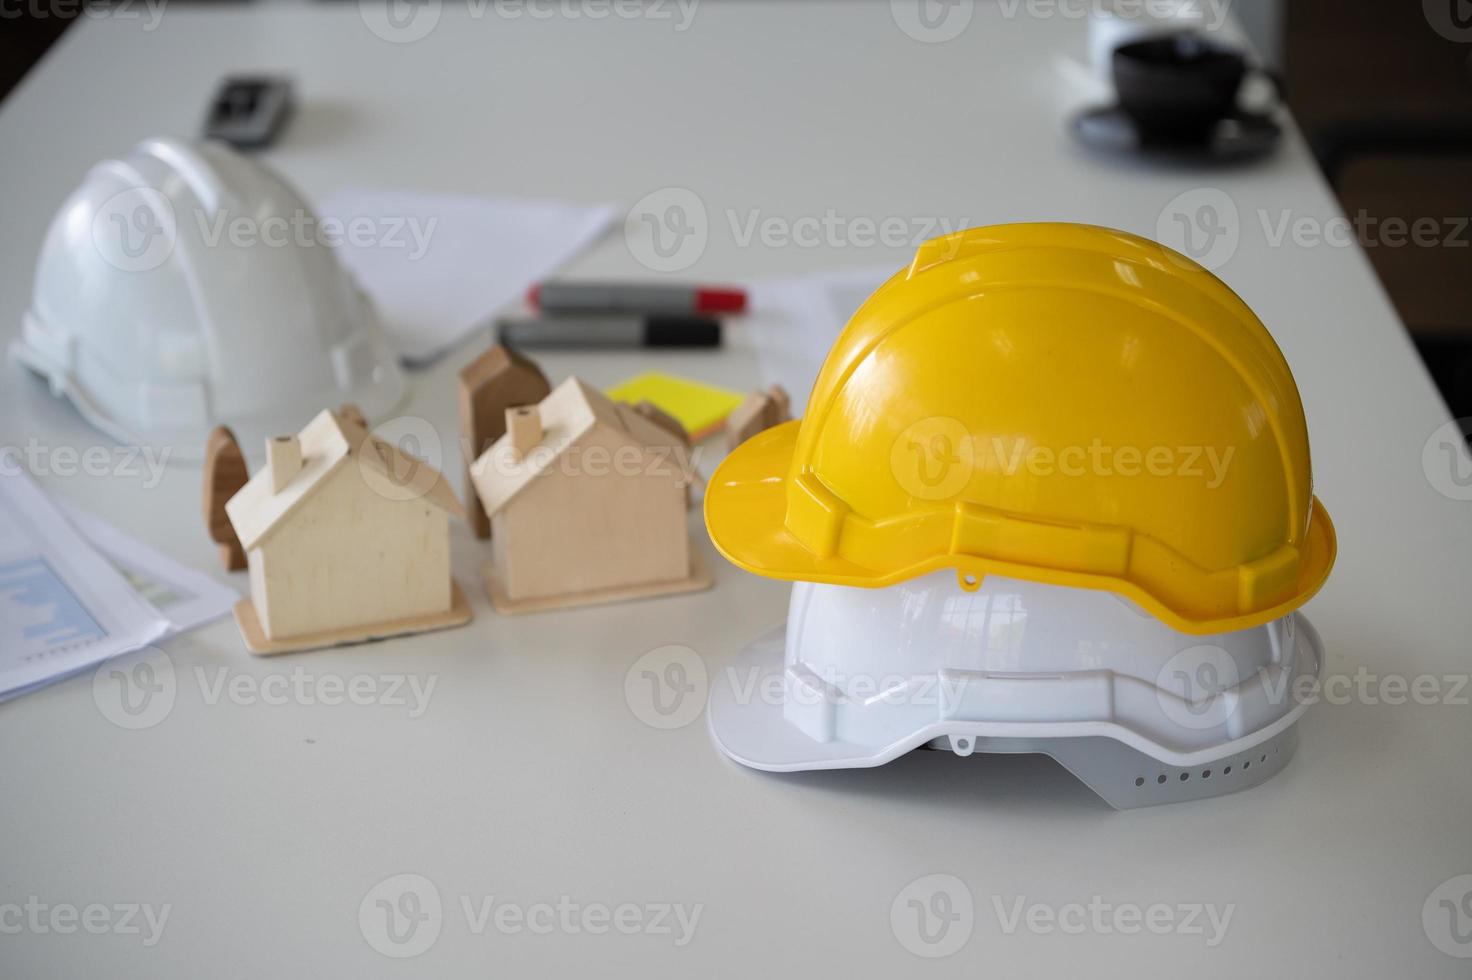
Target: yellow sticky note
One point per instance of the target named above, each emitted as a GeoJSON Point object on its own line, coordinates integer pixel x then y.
{"type": "Point", "coordinates": [700, 408]}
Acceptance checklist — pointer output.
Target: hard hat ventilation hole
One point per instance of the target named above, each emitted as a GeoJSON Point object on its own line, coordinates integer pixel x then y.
{"type": "Point", "coordinates": [1207, 773]}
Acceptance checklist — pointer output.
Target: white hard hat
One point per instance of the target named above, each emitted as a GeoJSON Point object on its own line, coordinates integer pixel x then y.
{"type": "Point", "coordinates": [184, 286]}
{"type": "Point", "coordinates": [1140, 712]}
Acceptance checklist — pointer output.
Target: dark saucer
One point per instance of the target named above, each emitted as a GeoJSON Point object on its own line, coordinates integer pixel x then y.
{"type": "Point", "coordinates": [1238, 137]}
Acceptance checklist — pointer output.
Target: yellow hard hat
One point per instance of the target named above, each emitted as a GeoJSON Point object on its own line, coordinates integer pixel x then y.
{"type": "Point", "coordinates": [1062, 403]}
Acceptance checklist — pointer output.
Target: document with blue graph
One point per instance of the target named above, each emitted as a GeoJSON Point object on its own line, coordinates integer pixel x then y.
{"type": "Point", "coordinates": [63, 606]}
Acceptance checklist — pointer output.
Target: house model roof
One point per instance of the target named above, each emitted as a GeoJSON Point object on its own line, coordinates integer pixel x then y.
{"type": "Point", "coordinates": [570, 412]}
{"type": "Point", "coordinates": [328, 443]}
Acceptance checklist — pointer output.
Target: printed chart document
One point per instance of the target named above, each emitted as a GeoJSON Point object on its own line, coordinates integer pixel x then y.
{"type": "Point", "coordinates": [186, 597]}
{"type": "Point", "coordinates": [440, 265]}
{"type": "Point", "coordinates": [63, 607]}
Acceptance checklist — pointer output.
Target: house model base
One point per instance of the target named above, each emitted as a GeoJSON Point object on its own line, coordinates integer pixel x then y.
{"type": "Point", "coordinates": [258, 643]}
{"type": "Point", "coordinates": [698, 579]}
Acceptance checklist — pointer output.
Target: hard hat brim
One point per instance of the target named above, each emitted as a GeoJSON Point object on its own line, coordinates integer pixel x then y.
{"type": "Point", "coordinates": [745, 512]}
{"type": "Point", "coordinates": [746, 509]}
{"type": "Point", "coordinates": [1108, 756]}
{"type": "Point", "coordinates": [377, 398]}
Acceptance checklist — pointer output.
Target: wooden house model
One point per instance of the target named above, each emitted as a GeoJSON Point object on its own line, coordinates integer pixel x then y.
{"type": "Point", "coordinates": [500, 378]}
{"type": "Point", "coordinates": [586, 499]}
{"type": "Point", "coordinates": [759, 412]}
{"type": "Point", "coordinates": [346, 539]}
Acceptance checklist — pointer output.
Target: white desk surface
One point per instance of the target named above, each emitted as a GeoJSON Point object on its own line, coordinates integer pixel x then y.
{"type": "Point", "coordinates": [529, 777]}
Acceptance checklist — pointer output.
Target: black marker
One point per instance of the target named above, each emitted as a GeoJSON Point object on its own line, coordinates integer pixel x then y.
{"type": "Point", "coordinates": [611, 330]}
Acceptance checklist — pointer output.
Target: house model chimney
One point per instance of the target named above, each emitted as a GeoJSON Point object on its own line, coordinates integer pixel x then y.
{"type": "Point", "coordinates": [283, 460]}
{"type": "Point", "coordinates": [524, 426]}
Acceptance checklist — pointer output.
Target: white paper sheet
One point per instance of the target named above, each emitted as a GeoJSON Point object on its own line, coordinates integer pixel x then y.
{"type": "Point", "coordinates": [186, 597]}
{"type": "Point", "coordinates": [63, 607]}
{"type": "Point", "coordinates": [793, 322]}
{"type": "Point", "coordinates": [440, 265]}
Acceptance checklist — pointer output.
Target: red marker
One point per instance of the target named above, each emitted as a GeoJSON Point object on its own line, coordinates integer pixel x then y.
{"type": "Point", "coordinates": [633, 297]}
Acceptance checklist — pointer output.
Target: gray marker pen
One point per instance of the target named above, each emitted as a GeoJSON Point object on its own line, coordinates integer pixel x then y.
{"type": "Point", "coordinates": [633, 297]}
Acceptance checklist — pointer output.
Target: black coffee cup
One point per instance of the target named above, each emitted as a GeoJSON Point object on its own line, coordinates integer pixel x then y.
{"type": "Point", "coordinates": [1177, 87]}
